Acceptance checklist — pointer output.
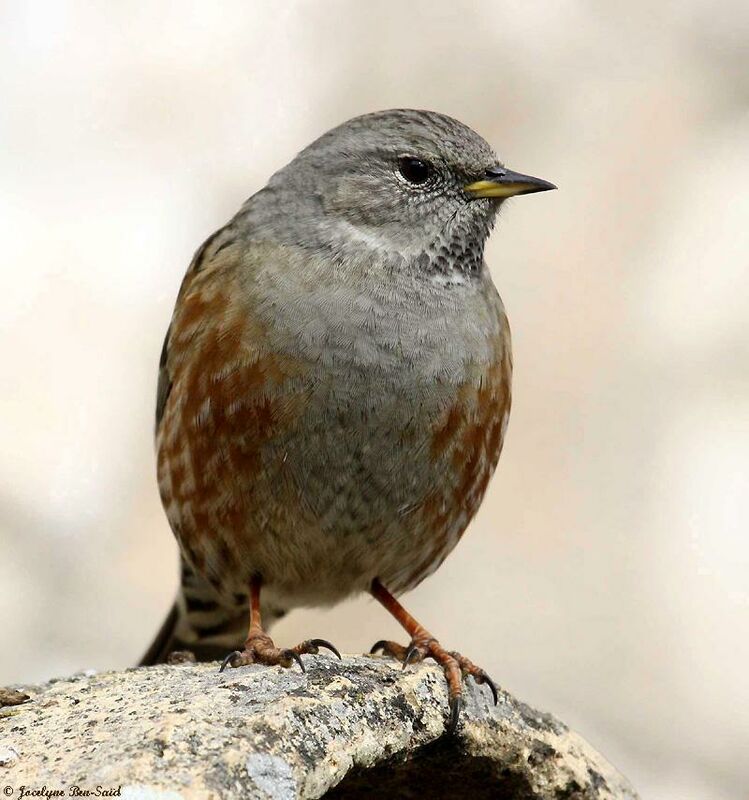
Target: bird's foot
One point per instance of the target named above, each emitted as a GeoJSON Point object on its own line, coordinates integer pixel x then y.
{"type": "Point", "coordinates": [455, 666]}
{"type": "Point", "coordinates": [260, 649]}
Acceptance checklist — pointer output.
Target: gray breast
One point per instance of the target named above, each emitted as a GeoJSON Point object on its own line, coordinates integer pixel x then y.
{"type": "Point", "coordinates": [390, 357]}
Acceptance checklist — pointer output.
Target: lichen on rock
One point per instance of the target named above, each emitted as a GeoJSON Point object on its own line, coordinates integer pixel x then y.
{"type": "Point", "coordinates": [355, 728]}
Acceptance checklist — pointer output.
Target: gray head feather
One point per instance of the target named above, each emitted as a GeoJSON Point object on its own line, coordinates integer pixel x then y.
{"type": "Point", "coordinates": [345, 195]}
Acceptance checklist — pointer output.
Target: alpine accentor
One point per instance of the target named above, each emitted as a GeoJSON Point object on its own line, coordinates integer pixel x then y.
{"type": "Point", "coordinates": [334, 387]}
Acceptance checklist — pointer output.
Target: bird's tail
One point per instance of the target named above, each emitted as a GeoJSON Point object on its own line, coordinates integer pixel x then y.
{"type": "Point", "coordinates": [199, 623]}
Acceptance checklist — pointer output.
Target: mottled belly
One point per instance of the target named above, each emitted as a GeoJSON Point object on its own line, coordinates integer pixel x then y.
{"type": "Point", "coordinates": [319, 482]}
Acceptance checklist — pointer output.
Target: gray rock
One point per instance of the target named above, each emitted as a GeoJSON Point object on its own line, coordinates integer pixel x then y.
{"type": "Point", "coordinates": [352, 729]}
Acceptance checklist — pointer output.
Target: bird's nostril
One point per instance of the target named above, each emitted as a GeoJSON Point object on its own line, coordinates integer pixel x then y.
{"type": "Point", "coordinates": [495, 172]}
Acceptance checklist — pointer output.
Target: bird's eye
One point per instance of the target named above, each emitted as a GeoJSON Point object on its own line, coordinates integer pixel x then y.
{"type": "Point", "coordinates": [414, 170]}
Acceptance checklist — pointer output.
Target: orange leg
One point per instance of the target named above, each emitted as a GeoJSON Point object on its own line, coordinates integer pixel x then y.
{"type": "Point", "coordinates": [424, 645]}
{"type": "Point", "coordinates": [259, 647]}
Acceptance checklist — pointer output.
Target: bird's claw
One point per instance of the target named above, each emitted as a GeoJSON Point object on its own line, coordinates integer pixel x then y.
{"type": "Point", "coordinates": [229, 660]}
{"type": "Point", "coordinates": [313, 646]}
{"type": "Point", "coordinates": [455, 666]}
{"type": "Point", "coordinates": [259, 649]}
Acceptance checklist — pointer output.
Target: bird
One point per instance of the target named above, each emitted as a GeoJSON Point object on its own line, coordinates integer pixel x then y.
{"type": "Point", "coordinates": [334, 390]}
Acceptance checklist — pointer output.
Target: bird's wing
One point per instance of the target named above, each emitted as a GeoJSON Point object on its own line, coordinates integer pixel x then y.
{"type": "Point", "coordinates": [209, 252]}
{"type": "Point", "coordinates": [222, 396]}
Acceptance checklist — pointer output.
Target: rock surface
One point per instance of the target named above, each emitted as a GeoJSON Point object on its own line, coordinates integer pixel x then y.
{"type": "Point", "coordinates": [353, 729]}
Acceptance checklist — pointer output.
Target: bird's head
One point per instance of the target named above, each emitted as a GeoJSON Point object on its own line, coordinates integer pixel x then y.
{"type": "Point", "coordinates": [415, 183]}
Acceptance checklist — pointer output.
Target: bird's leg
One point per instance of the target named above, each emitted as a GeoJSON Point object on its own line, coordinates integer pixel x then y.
{"type": "Point", "coordinates": [423, 645]}
{"type": "Point", "coordinates": [259, 648]}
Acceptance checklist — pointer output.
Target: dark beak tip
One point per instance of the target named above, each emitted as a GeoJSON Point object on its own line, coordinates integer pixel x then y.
{"type": "Point", "coordinates": [538, 186]}
{"type": "Point", "coordinates": [502, 175]}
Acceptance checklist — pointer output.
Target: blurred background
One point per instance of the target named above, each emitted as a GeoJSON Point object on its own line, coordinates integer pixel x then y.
{"type": "Point", "coordinates": [605, 577]}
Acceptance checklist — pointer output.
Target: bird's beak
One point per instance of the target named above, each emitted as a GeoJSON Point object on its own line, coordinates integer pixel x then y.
{"type": "Point", "coordinates": [500, 182]}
